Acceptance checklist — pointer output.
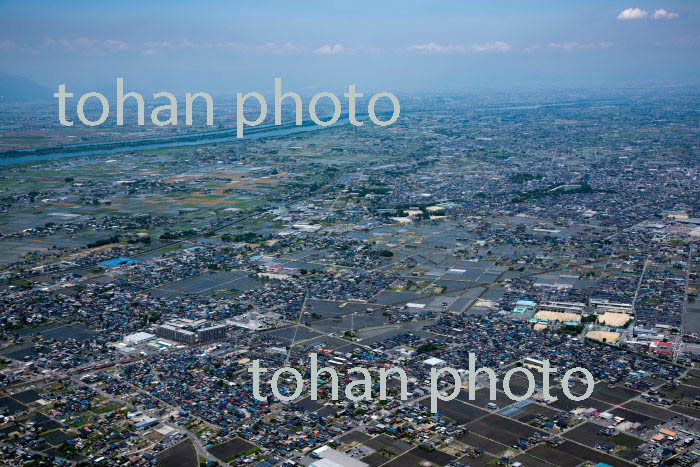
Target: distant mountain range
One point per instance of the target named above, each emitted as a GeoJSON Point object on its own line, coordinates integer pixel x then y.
{"type": "Point", "coordinates": [18, 88]}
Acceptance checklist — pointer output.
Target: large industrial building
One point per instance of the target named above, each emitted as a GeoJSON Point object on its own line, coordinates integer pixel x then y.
{"type": "Point", "coordinates": [329, 457]}
{"type": "Point", "coordinates": [191, 332]}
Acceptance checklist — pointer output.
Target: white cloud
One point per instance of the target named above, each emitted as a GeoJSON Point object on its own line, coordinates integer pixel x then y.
{"type": "Point", "coordinates": [224, 45]}
{"type": "Point", "coordinates": [264, 48]}
{"type": "Point", "coordinates": [7, 44]}
{"type": "Point", "coordinates": [498, 46]}
{"type": "Point", "coordinates": [116, 45]}
{"type": "Point", "coordinates": [329, 49]}
{"type": "Point", "coordinates": [569, 46]}
{"type": "Point", "coordinates": [159, 44]}
{"type": "Point", "coordinates": [365, 49]}
{"type": "Point", "coordinates": [632, 13]}
{"type": "Point", "coordinates": [663, 14]}
{"type": "Point", "coordinates": [71, 44]}
{"type": "Point", "coordinates": [187, 44]}
{"type": "Point", "coordinates": [273, 47]}
{"type": "Point", "coordinates": [86, 45]}
{"type": "Point", "coordinates": [433, 48]}
{"type": "Point", "coordinates": [84, 42]}
{"type": "Point", "coordinates": [154, 47]}
{"type": "Point", "coordinates": [682, 41]}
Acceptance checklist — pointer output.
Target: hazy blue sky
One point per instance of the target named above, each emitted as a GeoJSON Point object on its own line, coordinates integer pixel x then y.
{"type": "Point", "coordinates": [397, 45]}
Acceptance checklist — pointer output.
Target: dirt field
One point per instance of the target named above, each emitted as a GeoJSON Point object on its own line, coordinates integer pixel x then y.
{"type": "Point", "coordinates": [558, 316]}
{"type": "Point", "coordinates": [604, 336]}
{"type": "Point", "coordinates": [614, 319]}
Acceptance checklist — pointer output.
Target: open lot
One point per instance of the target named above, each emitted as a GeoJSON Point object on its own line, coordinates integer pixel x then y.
{"type": "Point", "coordinates": [569, 454]}
{"type": "Point", "coordinates": [613, 395]}
{"type": "Point", "coordinates": [435, 456]}
{"type": "Point", "coordinates": [458, 411]}
{"type": "Point", "coordinates": [656, 412]}
{"type": "Point", "coordinates": [587, 434]}
{"type": "Point", "coordinates": [501, 429]}
{"type": "Point", "coordinates": [26, 397]}
{"type": "Point", "coordinates": [375, 459]}
{"type": "Point", "coordinates": [384, 443]}
{"type": "Point", "coordinates": [231, 449]}
{"type": "Point", "coordinates": [180, 455]}
{"type": "Point", "coordinates": [482, 397]}
{"type": "Point", "coordinates": [474, 439]}
{"type": "Point", "coordinates": [485, 459]}
{"type": "Point", "coordinates": [209, 284]}
{"type": "Point", "coordinates": [636, 417]}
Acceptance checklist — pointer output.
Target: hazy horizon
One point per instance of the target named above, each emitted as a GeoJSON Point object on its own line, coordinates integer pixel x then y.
{"type": "Point", "coordinates": [398, 46]}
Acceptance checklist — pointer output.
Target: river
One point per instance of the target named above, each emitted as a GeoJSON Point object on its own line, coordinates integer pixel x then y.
{"type": "Point", "coordinates": [265, 131]}
{"type": "Point", "coordinates": [162, 142]}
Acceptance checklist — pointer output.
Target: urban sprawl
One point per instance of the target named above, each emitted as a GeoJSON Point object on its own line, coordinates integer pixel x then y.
{"type": "Point", "coordinates": [137, 286]}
